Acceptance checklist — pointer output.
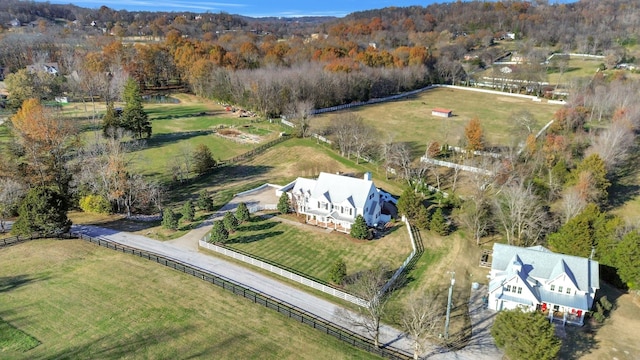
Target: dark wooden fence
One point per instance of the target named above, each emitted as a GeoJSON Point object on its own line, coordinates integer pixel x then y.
{"type": "Point", "coordinates": [258, 150]}
{"type": "Point", "coordinates": [257, 297]}
{"type": "Point", "coordinates": [22, 238]}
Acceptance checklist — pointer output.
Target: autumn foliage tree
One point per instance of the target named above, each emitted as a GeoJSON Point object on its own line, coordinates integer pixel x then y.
{"type": "Point", "coordinates": [474, 135]}
{"type": "Point", "coordinates": [43, 143]}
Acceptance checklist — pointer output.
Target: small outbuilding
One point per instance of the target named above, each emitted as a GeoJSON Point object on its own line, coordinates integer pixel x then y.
{"type": "Point", "coordinates": [440, 112]}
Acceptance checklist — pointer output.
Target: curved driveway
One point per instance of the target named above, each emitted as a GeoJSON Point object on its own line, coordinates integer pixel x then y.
{"type": "Point", "coordinates": [185, 249]}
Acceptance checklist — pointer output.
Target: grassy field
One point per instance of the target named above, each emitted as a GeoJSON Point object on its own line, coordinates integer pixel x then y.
{"type": "Point", "coordinates": [616, 338]}
{"type": "Point", "coordinates": [315, 249]}
{"type": "Point", "coordinates": [82, 301]}
{"type": "Point", "coordinates": [410, 120]}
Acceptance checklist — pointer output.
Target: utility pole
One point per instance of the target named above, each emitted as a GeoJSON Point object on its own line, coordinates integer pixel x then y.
{"type": "Point", "coordinates": [446, 323]}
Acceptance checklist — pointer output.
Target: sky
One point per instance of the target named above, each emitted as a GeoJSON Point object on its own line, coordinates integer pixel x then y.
{"type": "Point", "coordinates": [255, 8]}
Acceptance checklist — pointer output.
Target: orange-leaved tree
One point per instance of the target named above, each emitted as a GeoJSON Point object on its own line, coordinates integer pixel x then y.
{"type": "Point", "coordinates": [474, 135]}
{"type": "Point", "coordinates": [43, 141]}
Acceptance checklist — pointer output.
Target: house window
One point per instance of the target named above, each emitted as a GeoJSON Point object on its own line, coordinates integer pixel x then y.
{"type": "Point", "coordinates": [508, 288]}
{"type": "Point", "coordinates": [519, 290]}
{"type": "Point", "coordinates": [350, 211]}
{"type": "Point", "coordinates": [568, 290]}
{"type": "Point", "coordinates": [553, 288]}
{"type": "Point", "coordinates": [559, 289]}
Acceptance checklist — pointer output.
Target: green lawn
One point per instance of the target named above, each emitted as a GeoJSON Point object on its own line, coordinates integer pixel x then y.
{"type": "Point", "coordinates": [410, 120]}
{"type": "Point", "coordinates": [82, 301]}
{"type": "Point", "coordinates": [312, 251]}
{"type": "Point", "coordinates": [14, 340]}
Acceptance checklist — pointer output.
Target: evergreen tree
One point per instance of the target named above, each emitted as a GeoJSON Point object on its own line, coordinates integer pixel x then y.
{"type": "Point", "coordinates": [169, 219]}
{"type": "Point", "coordinates": [627, 258]}
{"type": "Point", "coordinates": [230, 222]}
{"type": "Point", "coordinates": [188, 211]}
{"type": "Point", "coordinates": [359, 229]}
{"type": "Point", "coordinates": [438, 223]}
{"type": "Point", "coordinates": [134, 118]}
{"type": "Point", "coordinates": [588, 230]}
{"type": "Point", "coordinates": [205, 202]}
{"type": "Point", "coordinates": [218, 233]}
{"type": "Point", "coordinates": [409, 204]}
{"type": "Point", "coordinates": [203, 159]}
{"type": "Point", "coordinates": [525, 335]}
{"type": "Point", "coordinates": [242, 212]}
{"type": "Point", "coordinates": [110, 121]}
{"type": "Point", "coordinates": [338, 272]}
{"type": "Point", "coordinates": [593, 171]}
{"type": "Point", "coordinates": [43, 210]}
{"type": "Point", "coordinates": [283, 204]}
{"type": "Point", "coordinates": [422, 218]}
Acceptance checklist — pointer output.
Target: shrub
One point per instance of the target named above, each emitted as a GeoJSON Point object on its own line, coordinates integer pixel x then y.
{"type": "Point", "coordinates": [359, 229]}
{"type": "Point", "coordinates": [204, 202]}
{"type": "Point", "coordinates": [338, 272]}
{"type": "Point", "coordinates": [169, 219]}
{"type": "Point", "coordinates": [188, 211]}
{"type": "Point", "coordinates": [95, 204]}
{"type": "Point", "coordinates": [242, 212]}
{"type": "Point", "coordinates": [218, 233]}
{"type": "Point", "coordinates": [230, 222]}
{"type": "Point", "coordinates": [283, 203]}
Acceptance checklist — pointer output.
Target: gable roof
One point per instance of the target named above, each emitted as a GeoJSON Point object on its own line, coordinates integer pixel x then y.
{"type": "Point", "coordinates": [542, 263]}
{"type": "Point", "coordinates": [337, 189]}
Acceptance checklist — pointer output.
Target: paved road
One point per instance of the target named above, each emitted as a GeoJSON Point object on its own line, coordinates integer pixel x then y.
{"type": "Point", "coordinates": [185, 249]}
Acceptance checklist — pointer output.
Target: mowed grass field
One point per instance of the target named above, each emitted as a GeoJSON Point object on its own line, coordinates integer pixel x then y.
{"type": "Point", "coordinates": [312, 250]}
{"type": "Point", "coordinates": [85, 302]}
{"type": "Point", "coordinates": [410, 120]}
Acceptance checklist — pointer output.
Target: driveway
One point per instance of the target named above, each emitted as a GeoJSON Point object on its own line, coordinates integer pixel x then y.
{"type": "Point", "coordinates": [185, 249]}
{"type": "Point", "coordinates": [260, 196]}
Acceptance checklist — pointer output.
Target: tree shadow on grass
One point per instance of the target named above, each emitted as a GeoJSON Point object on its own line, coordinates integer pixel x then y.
{"type": "Point", "coordinates": [137, 344]}
{"type": "Point", "coordinates": [258, 226]}
{"type": "Point", "coordinates": [253, 238]}
{"type": "Point", "coordinates": [219, 176]}
{"type": "Point", "coordinates": [8, 283]}
{"type": "Point", "coordinates": [163, 139]}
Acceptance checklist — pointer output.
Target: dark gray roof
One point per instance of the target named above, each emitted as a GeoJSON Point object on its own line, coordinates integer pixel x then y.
{"type": "Point", "coordinates": [541, 263]}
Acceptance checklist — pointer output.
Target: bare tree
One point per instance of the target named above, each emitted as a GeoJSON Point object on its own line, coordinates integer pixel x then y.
{"type": "Point", "coordinates": [613, 144]}
{"type": "Point", "coordinates": [341, 129]}
{"type": "Point", "coordinates": [476, 215]}
{"type": "Point", "coordinates": [300, 112]}
{"type": "Point", "coordinates": [421, 318]}
{"type": "Point", "coordinates": [11, 192]}
{"type": "Point", "coordinates": [367, 287]}
{"type": "Point", "coordinates": [572, 204]}
{"type": "Point", "coordinates": [363, 136]}
{"type": "Point", "coordinates": [520, 214]}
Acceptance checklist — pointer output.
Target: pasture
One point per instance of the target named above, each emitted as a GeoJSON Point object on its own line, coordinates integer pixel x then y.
{"type": "Point", "coordinates": [312, 250]}
{"type": "Point", "coordinates": [410, 120]}
{"type": "Point", "coordinates": [83, 301]}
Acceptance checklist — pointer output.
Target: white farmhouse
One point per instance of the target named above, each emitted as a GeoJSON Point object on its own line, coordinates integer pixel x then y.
{"type": "Point", "coordinates": [563, 287]}
{"type": "Point", "coordinates": [333, 201]}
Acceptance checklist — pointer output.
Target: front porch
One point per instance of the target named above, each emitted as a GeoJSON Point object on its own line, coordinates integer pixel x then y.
{"type": "Point", "coordinates": [328, 223]}
{"type": "Point", "coordinates": [561, 314]}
